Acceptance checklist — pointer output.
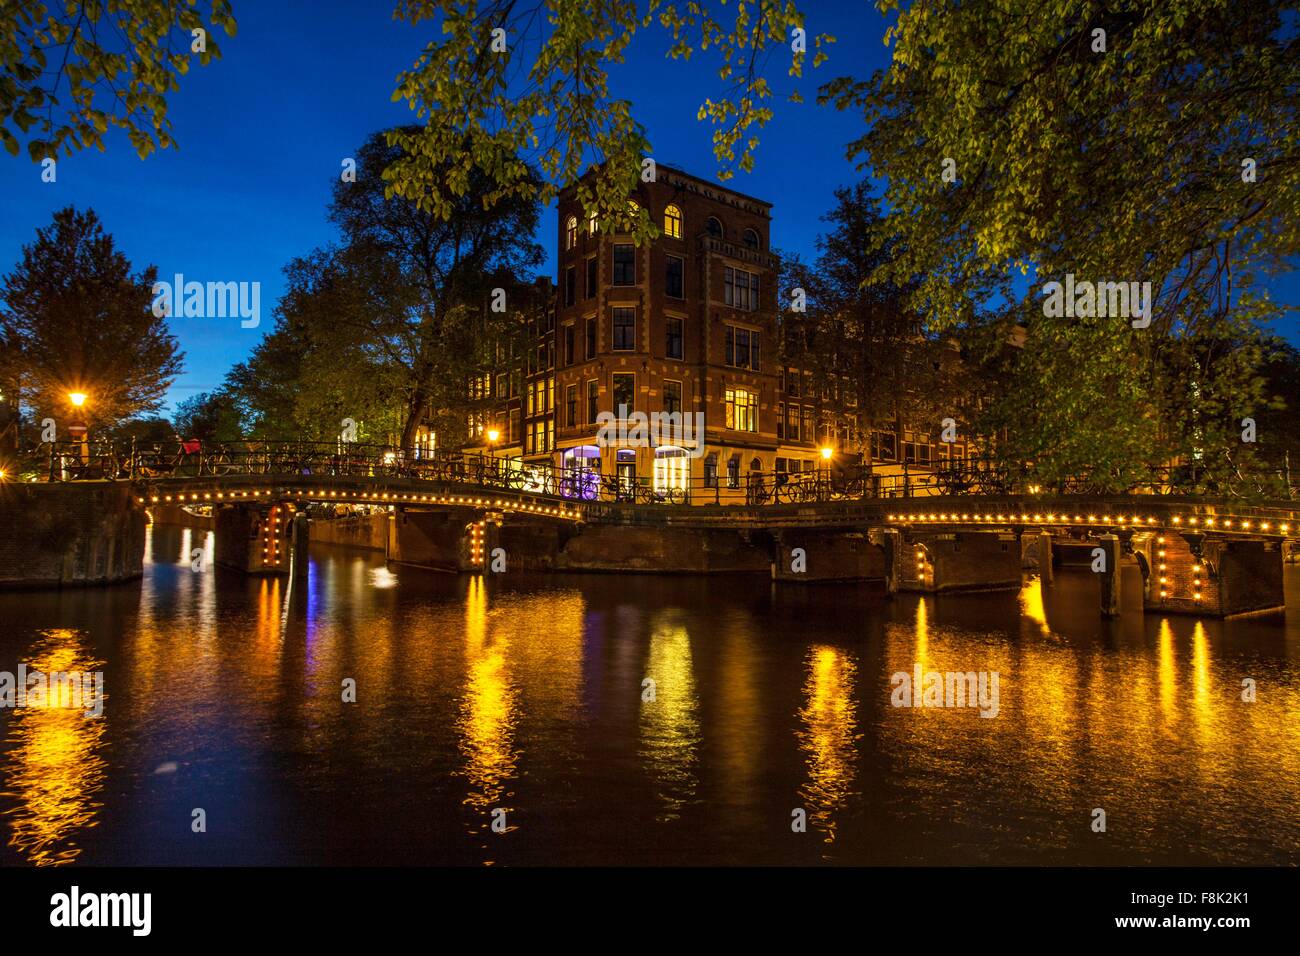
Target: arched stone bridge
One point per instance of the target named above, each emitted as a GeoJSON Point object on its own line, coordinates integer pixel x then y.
{"type": "Point", "coordinates": [1198, 554]}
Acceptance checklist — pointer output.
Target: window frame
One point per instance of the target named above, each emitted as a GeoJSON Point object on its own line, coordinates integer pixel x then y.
{"type": "Point", "coordinates": [620, 269]}
{"type": "Point", "coordinates": [674, 225]}
{"type": "Point", "coordinates": [627, 313]}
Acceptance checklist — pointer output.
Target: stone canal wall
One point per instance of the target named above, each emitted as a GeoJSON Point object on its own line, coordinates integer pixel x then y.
{"type": "Point", "coordinates": [68, 535]}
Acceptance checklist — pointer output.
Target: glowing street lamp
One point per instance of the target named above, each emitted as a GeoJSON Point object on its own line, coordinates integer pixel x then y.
{"type": "Point", "coordinates": [827, 452]}
{"type": "Point", "coordinates": [77, 427]}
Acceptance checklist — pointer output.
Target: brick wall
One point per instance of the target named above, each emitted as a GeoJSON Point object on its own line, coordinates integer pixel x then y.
{"type": "Point", "coordinates": [69, 535]}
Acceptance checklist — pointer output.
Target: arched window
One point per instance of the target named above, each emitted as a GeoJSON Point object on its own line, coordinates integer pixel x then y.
{"type": "Point", "coordinates": [633, 210]}
{"type": "Point", "coordinates": [714, 227]}
{"type": "Point", "coordinates": [571, 232]}
{"type": "Point", "coordinates": [673, 222]}
{"type": "Point", "coordinates": [592, 224]}
{"type": "Point", "coordinates": [751, 239]}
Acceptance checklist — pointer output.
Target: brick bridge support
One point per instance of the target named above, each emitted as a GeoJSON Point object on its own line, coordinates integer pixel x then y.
{"type": "Point", "coordinates": [443, 539]}
{"type": "Point", "coordinates": [959, 561]}
{"type": "Point", "coordinates": [255, 538]}
{"type": "Point", "coordinates": [69, 534]}
{"type": "Point", "coordinates": [1213, 575]}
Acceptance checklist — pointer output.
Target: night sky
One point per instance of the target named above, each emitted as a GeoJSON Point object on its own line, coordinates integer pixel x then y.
{"type": "Point", "coordinates": [262, 133]}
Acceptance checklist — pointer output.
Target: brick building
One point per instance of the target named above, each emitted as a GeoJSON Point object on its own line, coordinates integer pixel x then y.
{"type": "Point", "coordinates": [685, 324]}
{"type": "Point", "coordinates": [680, 325]}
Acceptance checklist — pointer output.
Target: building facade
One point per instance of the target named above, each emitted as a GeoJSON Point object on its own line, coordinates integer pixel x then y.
{"type": "Point", "coordinates": [662, 366]}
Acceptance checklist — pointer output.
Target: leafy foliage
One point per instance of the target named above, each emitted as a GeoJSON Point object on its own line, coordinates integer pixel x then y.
{"type": "Point", "coordinates": [71, 70]}
{"type": "Point", "coordinates": [1117, 165]}
{"type": "Point", "coordinates": [543, 101]}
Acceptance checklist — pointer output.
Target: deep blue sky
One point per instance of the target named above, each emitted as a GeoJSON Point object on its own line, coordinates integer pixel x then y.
{"type": "Point", "coordinates": [262, 133]}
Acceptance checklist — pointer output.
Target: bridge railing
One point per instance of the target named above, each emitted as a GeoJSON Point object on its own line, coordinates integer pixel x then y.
{"type": "Point", "coordinates": [74, 461]}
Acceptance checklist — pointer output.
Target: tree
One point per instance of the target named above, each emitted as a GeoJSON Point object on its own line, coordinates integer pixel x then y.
{"type": "Point", "coordinates": [412, 295]}
{"type": "Point", "coordinates": [209, 416]}
{"type": "Point", "coordinates": [514, 87]}
{"type": "Point", "coordinates": [1137, 142]}
{"type": "Point", "coordinates": [78, 320]}
{"type": "Point", "coordinates": [73, 69]}
{"type": "Point", "coordinates": [870, 356]}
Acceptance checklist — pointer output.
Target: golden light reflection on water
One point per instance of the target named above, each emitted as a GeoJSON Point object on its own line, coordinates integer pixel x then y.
{"type": "Point", "coordinates": [1032, 606]}
{"type": "Point", "coordinates": [54, 768]}
{"type": "Point", "coordinates": [670, 724]}
{"type": "Point", "coordinates": [488, 714]}
{"type": "Point", "coordinates": [827, 735]}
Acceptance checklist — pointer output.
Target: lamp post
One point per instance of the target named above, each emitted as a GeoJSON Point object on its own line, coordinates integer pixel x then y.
{"type": "Point", "coordinates": [492, 436]}
{"type": "Point", "coordinates": [77, 426]}
{"type": "Point", "coordinates": [826, 452]}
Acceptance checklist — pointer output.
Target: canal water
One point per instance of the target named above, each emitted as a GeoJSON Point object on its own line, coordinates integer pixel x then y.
{"type": "Point", "coordinates": [610, 719]}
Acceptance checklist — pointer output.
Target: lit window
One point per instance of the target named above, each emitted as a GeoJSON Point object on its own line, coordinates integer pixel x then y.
{"type": "Point", "coordinates": [742, 410]}
{"type": "Point", "coordinates": [673, 222]}
{"type": "Point", "coordinates": [571, 232]}
{"type": "Point", "coordinates": [672, 469]}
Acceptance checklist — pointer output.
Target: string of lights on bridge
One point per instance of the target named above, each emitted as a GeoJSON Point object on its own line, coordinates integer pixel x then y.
{"type": "Point", "coordinates": [1179, 522]}
{"type": "Point", "coordinates": [364, 497]}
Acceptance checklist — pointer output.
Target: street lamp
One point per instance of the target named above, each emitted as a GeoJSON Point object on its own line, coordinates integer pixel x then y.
{"type": "Point", "coordinates": [826, 452]}
{"type": "Point", "coordinates": [77, 427]}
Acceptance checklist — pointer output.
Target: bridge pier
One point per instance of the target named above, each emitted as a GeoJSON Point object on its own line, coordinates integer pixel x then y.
{"type": "Point", "coordinates": [1195, 573]}
{"type": "Point", "coordinates": [1111, 577]}
{"type": "Point", "coordinates": [960, 561]}
{"type": "Point", "coordinates": [806, 557]}
{"type": "Point", "coordinates": [301, 541]}
{"type": "Point", "coordinates": [445, 539]}
{"type": "Point", "coordinates": [254, 538]}
{"type": "Point", "coordinates": [1045, 557]}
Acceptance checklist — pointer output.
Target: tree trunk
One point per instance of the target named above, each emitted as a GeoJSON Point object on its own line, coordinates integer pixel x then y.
{"type": "Point", "coordinates": [414, 415]}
